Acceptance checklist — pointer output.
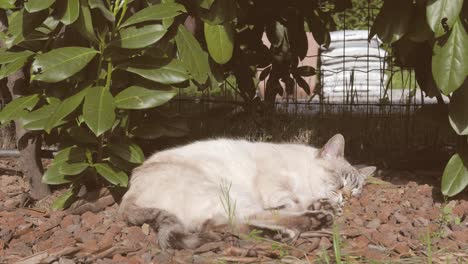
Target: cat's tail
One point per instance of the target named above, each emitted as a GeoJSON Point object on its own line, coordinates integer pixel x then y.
{"type": "Point", "coordinates": [171, 232]}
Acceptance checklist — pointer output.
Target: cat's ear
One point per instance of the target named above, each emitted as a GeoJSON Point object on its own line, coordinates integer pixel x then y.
{"type": "Point", "coordinates": [334, 148]}
{"type": "Point", "coordinates": [367, 171]}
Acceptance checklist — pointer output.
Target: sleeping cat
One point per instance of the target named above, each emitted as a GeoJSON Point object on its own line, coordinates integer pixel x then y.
{"type": "Point", "coordinates": [289, 188]}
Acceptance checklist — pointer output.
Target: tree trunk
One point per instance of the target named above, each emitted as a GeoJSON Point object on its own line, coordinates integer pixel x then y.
{"type": "Point", "coordinates": [7, 132]}
{"type": "Point", "coordinates": [28, 144]}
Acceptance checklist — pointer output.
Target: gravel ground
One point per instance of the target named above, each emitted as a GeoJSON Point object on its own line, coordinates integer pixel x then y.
{"type": "Point", "coordinates": [396, 218]}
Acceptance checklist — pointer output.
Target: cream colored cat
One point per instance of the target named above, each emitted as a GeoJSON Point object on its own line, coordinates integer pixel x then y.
{"type": "Point", "coordinates": [185, 191]}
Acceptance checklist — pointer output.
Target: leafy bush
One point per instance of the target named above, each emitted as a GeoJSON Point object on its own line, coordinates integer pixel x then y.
{"type": "Point", "coordinates": [431, 37]}
{"type": "Point", "coordinates": [99, 71]}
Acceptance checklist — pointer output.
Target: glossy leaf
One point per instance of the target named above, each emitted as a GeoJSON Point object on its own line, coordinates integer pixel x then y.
{"type": "Point", "coordinates": [129, 152]}
{"type": "Point", "coordinates": [22, 24]}
{"type": "Point", "coordinates": [449, 62]}
{"type": "Point", "coordinates": [137, 97]}
{"type": "Point", "coordinates": [13, 67]}
{"type": "Point", "coordinates": [306, 71]}
{"type": "Point", "coordinates": [63, 109]}
{"type": "Point", "coordinates": [458, 110]}
{"type": "Point", "coordinates": [15, 109]}
{"type": "Point", "coordinates": [112, 174]}
{"type": "Point", "coordinates": [455, 177]}
{"type": "Point", "coordinates": [71, 154]}
{"type": "Point", "coordinates": [155, 12]}
{"type": "Point", "coordinates": [37, 5]}
{"type": "Point", "coordinates": [137, 37]}
{"type": "Point", "coordinates": [99, 4]}
{"type": "Point", "coordinates": [98, 110]}
{"type": "Point", "coordinates": [162, 72]}
{"type": "Point", "coordinates": [192, 55]}
{"type": "Point", "coordinates": [73, 168]}
{"type": "Point", "coordinates": [222, 11]}
{"type": "Point", "coordinates": [8, 57]}
{"type": "Point", "coordinates": [64, 200]}
{"type": "Point", "coordinates": [393, 20]}
{"type": "Point", "coordinates": [7, 4]}
{"type": "Point", "coordinates": [220, 41]}
{"type": "Point", "coordinates": [84, 23]}
{"type": "Point", "coordinates": [36, 119]}
{"type": "Point", "coordinates": [442, 14]}
{"type": "Point", "coordinates": [68, 11]}
{"type": "Point", "coordinates": [59, 64]}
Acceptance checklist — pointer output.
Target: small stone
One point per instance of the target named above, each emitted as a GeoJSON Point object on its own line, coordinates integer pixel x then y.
{"type": "Point", "coordinates": [90, 220]}
{"type": "Point", "coordinates": [134, 235]}
{"type": "Point", "coordinates": [460, 236]}
{"type": "Point", "coordinates": [400, 218]}
{"type": "Point", "coordinates": [358, 221]}
{"type": "Point", "coordinates": [373, 224]}
{"type": "Point", "coordinates": [325, 243]}
{"type": "Point", "coordinates": [90, 246]}
{"type": "Point", "coordinates": [402, 249]}
{"type": "Point", "coordinates": [421, 221]}
{"type": "Point", "coordinates": [12, 203]}
{"type": "Point", "coordinates": [65, 261]}
{"type": "Point", "coordinates": [386, 239]}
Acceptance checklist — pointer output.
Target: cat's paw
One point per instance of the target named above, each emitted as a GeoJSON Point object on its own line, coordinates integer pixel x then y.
{"type": "Point", "coordinates": [319, 219]}
{"type": "Point", "coordinates": [323, 205]}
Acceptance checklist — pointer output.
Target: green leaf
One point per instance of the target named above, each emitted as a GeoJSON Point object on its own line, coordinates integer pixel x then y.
{"type": "Point", "coordinates": [73, 168]}
{"type": "Point", "coordinates": [306, 71]}
{"type": "Point", "coordinates": [64, 200]}
{"type": "Point", "coordinates": [137, 37]}
{"type": "Point", "coordinates": [37, 5]}
{"type": "Point", "coordinates": [455, 177]}
{"type": "Point", "coordinates": [393, 20]}
{"type": "Point", "coordinates": [65, 157]}
{"type": "Point", "coordinates": [99, 4]}
{"type": "Point", "coordinates": [458, 110]}
{"type": "Point", "coordinates": [84, 24]}
{"type": "Point", "coordinates": [112, 174]}
{"type": "Point", "coordinates": [82, 135]}
{"type": "Point", "coordinates": [68, 11]}
{"type": "Point", "coordinates": [98, 110]}
{"type": "Point", "coordinates": [450, 60]}
{"type": "Point", "coordinates": [59, 64]}
{"type": "Point", "coordinates": [8, 57]}
{"type": "Point", "coordinates": [13, 67]}
{"type": "Point", "coordinates": [129, 152]}
{"type": "Point", "coordinates": [36, 119]}
{"type": "Point", "coordinates": [155, 12]}
{"type": "Point", "coordinates": [442, 14]}
{"type": "Point", "coordinates": [7, 4]}
{"type": "Point", "coordinates": [22, 24]}
{"type": "Point", "coordinates": [220, 41]}
{"type": "Point", "coordinates": [137, 97]}
{"type": "Point", "coordinates": [53, 176]}
{"type": "Point", "coordinates": [63, 109]}
{"type": "Point", "coordinates": [157, 70]}
{"type": "Point", "coordinates": [205, 3]}
{"type": "Point", "coordinates": [222, 11]}
{"type": "Point", "coordinates": [15, 109]}
{"type": "Point", "coordinates": [192, 55]}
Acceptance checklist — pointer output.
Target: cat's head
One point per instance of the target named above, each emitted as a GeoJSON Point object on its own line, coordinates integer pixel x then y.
{"type": "Point", "coordinates": [352, 178]}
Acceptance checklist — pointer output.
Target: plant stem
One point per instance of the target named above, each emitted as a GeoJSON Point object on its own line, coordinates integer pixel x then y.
{"type": "Point", "coordinates": [100, 148]}
{"type": "Point", "coordinates": [109, 75]}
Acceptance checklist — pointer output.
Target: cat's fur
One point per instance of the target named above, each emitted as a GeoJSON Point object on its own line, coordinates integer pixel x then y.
{"type": "Point", "coordinates": [184, 191]}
